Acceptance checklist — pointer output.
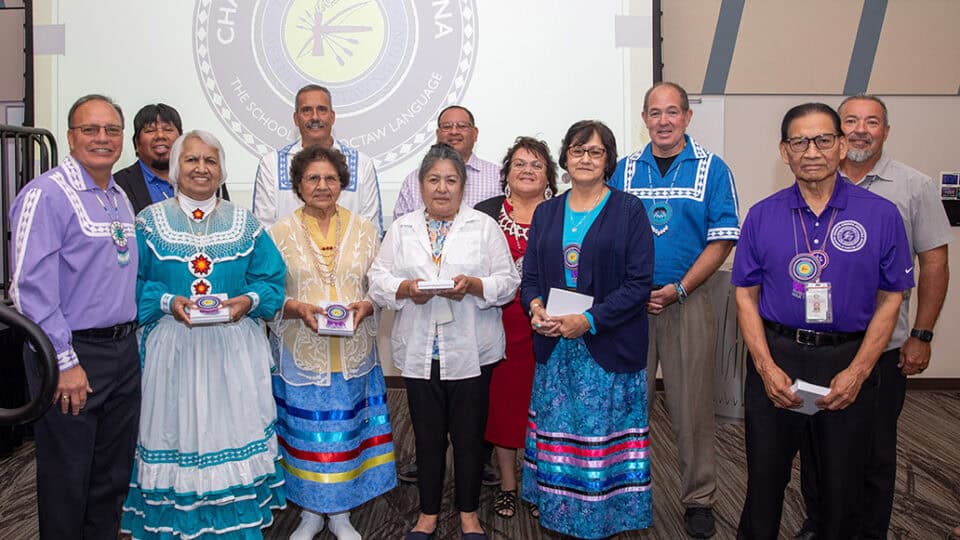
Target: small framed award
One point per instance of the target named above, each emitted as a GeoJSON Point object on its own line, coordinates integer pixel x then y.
{"type": "Point", "coordinates": [338, 322]}
{"type": "Point", "coordinates": [209, 310]}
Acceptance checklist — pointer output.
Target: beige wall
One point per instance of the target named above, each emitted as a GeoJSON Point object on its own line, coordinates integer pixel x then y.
{"type": "Point", "coordinates": [790, 47]}
{"type": "Point", "coordinates": [917, 55]}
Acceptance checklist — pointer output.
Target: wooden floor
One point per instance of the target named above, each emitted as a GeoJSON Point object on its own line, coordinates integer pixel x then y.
{"type": "Point", "coordinates": [927, 501]}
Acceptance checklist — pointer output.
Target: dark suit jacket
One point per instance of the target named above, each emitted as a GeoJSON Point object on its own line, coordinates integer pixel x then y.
{"type": "Point", "coordinates": [616, 268]}
{"type": "Point", "coordinates": [132, 182]}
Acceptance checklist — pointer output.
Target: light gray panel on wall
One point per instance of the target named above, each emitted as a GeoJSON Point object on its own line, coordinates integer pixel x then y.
{"type": "Point", "coordinates": [707, 124]}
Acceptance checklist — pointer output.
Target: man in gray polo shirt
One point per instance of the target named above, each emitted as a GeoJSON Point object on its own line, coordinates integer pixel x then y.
{"type": "Point", "coordinates": [866, 126]}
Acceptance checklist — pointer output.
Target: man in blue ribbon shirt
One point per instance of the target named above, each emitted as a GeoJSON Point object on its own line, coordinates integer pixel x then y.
{"type": "Point", "coordinates": [691, 201]}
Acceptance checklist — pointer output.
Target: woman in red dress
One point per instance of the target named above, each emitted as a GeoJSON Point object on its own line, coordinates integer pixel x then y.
{"type": "Point", "coordinates": [529, 177]}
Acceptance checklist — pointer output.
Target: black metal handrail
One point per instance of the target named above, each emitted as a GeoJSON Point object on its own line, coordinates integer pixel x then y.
{"type": "Point", "coordinates": [25, 153]}
{"type": "Point", "coordinates": [35, 151]}
{"type": "Point", "coordinates": [49, 371]}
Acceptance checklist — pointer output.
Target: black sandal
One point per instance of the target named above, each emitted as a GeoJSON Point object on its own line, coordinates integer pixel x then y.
{"type": "Point", "coordinates": [533, 510]}
{"type": "Point", "coordinates": [505, 505]}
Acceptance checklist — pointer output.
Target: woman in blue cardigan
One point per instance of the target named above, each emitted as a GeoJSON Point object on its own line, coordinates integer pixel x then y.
{"type": "Point", "coordinates": [586, 465]}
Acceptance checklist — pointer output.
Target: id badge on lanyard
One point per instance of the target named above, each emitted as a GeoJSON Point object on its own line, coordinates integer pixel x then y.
{"type": "Point", "coordinates": [807, 268]}
{"type": "Point", "coordinates": [819, 302]}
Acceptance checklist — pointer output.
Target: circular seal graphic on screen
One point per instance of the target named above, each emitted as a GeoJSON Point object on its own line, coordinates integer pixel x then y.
{"type": "Point", "coordinates": [848, 236]}
{"type": "Point", "coordinates": [391, 66]}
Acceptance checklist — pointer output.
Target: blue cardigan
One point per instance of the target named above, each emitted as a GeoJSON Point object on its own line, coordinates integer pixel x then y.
{"type": "Point", "coordinates": [616, 268]}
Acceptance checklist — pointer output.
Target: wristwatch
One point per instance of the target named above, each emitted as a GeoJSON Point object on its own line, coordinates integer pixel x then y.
{"type": "Point", "coordinates": [925, 336]}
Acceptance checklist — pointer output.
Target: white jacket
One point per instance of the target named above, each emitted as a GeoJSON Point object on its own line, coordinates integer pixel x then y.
{"type": "Point", "coordinates": [475, 246]}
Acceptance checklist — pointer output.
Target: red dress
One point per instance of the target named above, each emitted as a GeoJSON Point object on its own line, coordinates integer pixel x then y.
{"type": "Point", "coordinates": [512, 379]}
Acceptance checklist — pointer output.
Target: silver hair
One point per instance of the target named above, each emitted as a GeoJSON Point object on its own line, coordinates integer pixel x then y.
{"type": "Point", "coordinates": [177, 148]}
{"type": "Point", "coordinates": [440, 152]}
{"type": "Point", "coordinates": [868, 97]}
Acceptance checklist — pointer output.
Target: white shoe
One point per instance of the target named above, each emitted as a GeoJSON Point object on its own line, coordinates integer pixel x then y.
{"type": "Point", "coordinates": [341, 527]}
{"type": "Point", "coordinates": [310, 525]}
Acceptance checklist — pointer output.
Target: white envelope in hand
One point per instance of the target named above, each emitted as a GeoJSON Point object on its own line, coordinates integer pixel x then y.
{"type": "Point", "coordinates": [809, 393]}
{"type": "Point", "coordinates": [564, 302]}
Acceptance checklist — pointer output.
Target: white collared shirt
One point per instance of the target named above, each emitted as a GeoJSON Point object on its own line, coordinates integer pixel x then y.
{"type": "Point", "coordinates": [271, 202]}
{"type": "Point", "coordinates": [475, 246]}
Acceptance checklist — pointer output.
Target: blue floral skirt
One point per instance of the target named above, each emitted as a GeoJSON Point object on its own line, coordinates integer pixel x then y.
{"type": "Point", "coordinates": [335, 441]}
{"type": "Point", "coordinates": [586, 463]}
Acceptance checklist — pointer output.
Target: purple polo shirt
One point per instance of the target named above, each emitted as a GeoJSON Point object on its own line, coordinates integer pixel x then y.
{"type": "Point", "coordinates": [65, 271]}
{"type": "Point", "coordinates": [866, 245]}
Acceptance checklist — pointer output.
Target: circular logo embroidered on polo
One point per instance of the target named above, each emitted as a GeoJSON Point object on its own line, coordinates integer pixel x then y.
{"type": "Point", "coordinates": [848, 236]}
{"type": "Point", "coordinates": [391, 66]}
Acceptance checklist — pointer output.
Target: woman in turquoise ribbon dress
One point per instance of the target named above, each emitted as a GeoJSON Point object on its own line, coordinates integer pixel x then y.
{"type": "Point", "coordinates": [207, 455]}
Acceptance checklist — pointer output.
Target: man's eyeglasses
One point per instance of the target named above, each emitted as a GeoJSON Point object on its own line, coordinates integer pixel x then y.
{"type": "Point", "coordinates": [595, 152]}
{"type": "Point", "coordinates": [461, 126]}
{"type": "Point", "coordinates": [824, 141]}
{"type": "Point", "coordinates": [90, 130]}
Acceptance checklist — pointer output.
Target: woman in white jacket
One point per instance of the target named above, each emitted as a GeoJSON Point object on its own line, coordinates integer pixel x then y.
{"type": "Point", "coordinates": [445, 341]}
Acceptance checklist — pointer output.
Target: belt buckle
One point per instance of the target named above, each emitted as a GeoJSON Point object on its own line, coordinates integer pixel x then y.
{"type": "Point", "coordinates": [806, 337]}
{"type": "Point", "coordinates": [119, 331]}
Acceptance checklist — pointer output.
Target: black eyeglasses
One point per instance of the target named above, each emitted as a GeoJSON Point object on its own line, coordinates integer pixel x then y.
{"type": "Point", "coordinates": [595, 152]}
{"type": "Point", "coordinates": [824, 141]}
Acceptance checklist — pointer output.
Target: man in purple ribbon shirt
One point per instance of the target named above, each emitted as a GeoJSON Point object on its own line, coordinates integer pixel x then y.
{"type": "Point", "coordinates": [74, 274]}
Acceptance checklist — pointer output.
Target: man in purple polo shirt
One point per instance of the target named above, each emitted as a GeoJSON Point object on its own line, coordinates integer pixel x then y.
{"type": "Point", "coordinates": [74, 274]}
{"type": "Point", "coordinates": [820, 272]}
{"type": "Point", "coordinates": [868, 165]}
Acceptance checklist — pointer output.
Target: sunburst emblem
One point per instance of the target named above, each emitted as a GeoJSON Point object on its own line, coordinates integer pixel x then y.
{"type": "Point", "coordinates": [198, 214]}
{"type": "Point", "coordinates": [201, 287]}
{"type": "Point", "coordinates": [201, 265]}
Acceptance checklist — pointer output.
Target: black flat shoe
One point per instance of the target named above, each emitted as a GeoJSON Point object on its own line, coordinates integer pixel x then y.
{"type": "Point", "coordinates": [419, 535]}
{"type": "Point", "coordinates": [474, 535]}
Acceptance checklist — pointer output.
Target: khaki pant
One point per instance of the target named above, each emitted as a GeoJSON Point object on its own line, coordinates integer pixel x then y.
{"type": "Point", "coordinates": [682, 342]}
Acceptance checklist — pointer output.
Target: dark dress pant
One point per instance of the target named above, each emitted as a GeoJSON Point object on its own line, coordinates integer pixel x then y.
{"type": "Point", "coordinates": [84, 462]}
{"type": "Point", "coordinates": [457, 409]}
{"type": "Point", "coordinates": [839, 440]}
{"type": "Point", "coordinates": [881, 472]}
